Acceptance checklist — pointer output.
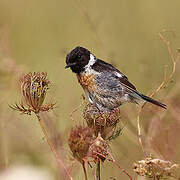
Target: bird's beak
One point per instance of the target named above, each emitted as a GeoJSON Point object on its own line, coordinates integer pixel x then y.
{"type": "Point", "coordinates": [69, 65]}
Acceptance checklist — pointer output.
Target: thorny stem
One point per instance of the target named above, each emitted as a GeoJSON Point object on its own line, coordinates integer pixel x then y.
{"type": "Point", "coordinates": [84, 169]}
{"type": "Point", "coordinates": [52, 146]}
{"type": "Point", "coordinates": [98, 170]}
{"type": "Point", "coordinates": [163, 83]}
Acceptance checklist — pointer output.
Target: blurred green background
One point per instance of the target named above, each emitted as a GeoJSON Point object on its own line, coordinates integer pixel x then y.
{"type": "Point", "coordinates": [36, 35]}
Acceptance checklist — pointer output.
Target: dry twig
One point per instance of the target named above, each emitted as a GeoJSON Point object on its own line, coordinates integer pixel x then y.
{"type": "Point", "coordinates": [165, 81]}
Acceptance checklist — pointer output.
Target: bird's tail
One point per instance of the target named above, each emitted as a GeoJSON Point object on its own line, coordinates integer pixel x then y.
{"type": "Point", "coordinates": [148, 99]}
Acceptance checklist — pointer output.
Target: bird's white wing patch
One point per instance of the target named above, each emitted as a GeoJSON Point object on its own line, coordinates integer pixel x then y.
{"type": "Point", "coordinates": [119, 74]}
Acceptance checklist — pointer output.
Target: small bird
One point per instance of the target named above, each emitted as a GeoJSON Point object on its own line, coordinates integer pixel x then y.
{"type": "Point", "coordinates": [105, 86]}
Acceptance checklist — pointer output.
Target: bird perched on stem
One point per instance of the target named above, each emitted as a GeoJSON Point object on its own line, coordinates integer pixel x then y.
{"type": "Point", "coordinates": [105, 86]}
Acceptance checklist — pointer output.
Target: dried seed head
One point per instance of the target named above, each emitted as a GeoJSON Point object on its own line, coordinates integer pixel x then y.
{"type": "Point", "coordinates": [79, 142]}
{"type": "Point", "coordinates": [98, 149]}
{"type": "Point", "coordinates": [156, 168]}
{"type": "Point", "coordinates": [103, 123]}
{"type": "Point", "coordinates": [34, 87]}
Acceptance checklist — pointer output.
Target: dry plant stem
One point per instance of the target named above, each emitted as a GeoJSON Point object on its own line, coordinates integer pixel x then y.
{"type": "Point", "coordinates": [52, 146]}
{"type": "Point", "coordinates": [163, 83]}
{"type": "Point", "coordinates": [98, 170]}
{"type": "Point", "coordinates": [139, 131]}
{"type": "Point", "coordinates": [115, 163]}
{"type": "Point", "coordinates": [77, 108]}
{"type": "Point", "coordinates": [94, 174]}
{"type": "Point", "coordinates": [84, 169]}
{"type": "Point", "coordinates": [156, 177]}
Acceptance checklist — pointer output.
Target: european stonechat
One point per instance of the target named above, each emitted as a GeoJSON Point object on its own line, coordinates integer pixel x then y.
{"type": "Point", "coordinates": [105, 86]}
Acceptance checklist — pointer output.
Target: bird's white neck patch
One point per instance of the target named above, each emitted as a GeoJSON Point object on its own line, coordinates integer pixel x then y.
{"type": "Point", "coordinates": [90, 63]}
{"type": "Point", "coordinates": [92, 60]}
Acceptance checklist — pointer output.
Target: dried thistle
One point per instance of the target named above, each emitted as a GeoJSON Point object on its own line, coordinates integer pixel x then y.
{"type": "Point", "coordinates": [98, 149]}
{"type": "Point", "coordinates": [79, 142]}
{"type": "Point", "coordinates": [34, 87]}
{"type": "Point", "coordinates": [103, 123]}
{"type": "Point", "coordinates": [156, 168]}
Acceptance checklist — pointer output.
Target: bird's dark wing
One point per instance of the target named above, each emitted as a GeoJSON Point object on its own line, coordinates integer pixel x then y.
{"type": "Point", "coordinates": [117, 85]}
{"type": "Point", "coordinates": [113, 75]}
{"type": "Point", "coordinates": [101, 66]}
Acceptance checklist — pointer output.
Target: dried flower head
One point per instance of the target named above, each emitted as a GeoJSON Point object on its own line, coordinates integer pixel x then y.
{"type": "Point", "coordinates": [156, 168]}
{"type": "Point", "coordinates": [79, 142]}
{"type": "Point", "coordinates": [98, 149]}
{"type": "Point", "coordinates": [34, 87]}
{"type": "Point", "coordinates": [103, 123]}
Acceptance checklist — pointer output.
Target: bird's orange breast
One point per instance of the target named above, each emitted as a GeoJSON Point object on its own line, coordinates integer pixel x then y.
{"type": "Point", "coordinates": [87, 82]}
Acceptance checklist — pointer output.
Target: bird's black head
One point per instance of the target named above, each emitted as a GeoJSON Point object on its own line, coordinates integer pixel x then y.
{"type": "Point", "coordinates": [77, 59]}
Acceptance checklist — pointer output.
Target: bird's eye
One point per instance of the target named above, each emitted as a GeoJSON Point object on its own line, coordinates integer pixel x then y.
{"type": "Point", "coordinates": [79, 56]}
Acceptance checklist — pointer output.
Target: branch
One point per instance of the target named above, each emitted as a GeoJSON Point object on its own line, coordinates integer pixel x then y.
{"type": "Point", "coordinates": [165, 81]}
{"type": "Point", "coordinates": [60, 162]}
